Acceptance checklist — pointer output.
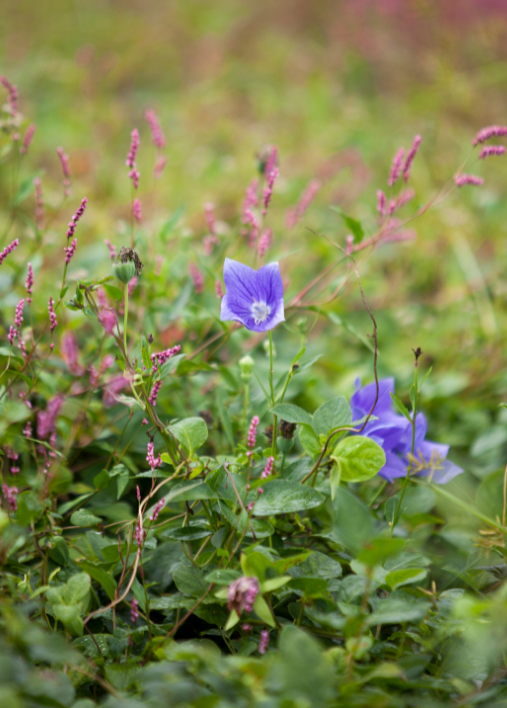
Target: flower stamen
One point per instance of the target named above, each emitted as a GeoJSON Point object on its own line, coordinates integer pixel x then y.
{"type": "Point", "coordinates": [260, 312]}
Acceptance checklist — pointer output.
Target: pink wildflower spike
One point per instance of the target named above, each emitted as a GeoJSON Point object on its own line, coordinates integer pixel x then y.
{"type": "Point", "coordinates": [208, 244]}
{"type": "Point", "coordinates": [133, 285]}
{"type": "Point", "coordinates": [252, 432]}
{"type": "Point", "coordinates": [27, 430]}
{"type": "Point", "coordinates": [46, 420]}
{"type": "Point", "coordinates": [108, 320]}
{"type": "Point", "coordinates": [218, 289]}
{"type": "Point", "coordinates": [156, 511]}
{"type": "Point", "coordinates": [154, 392]}
{"type": "Point", "coordinates": [70, 352]}
{"type": "Point", "coordinates": [268, 470]}
{"type": "Point", "coordinates": [197, 278]}
{"type": "Point", "coordinates": [491, 131]}
{"type": "Point", "coordinates": [250, 506]}
{"type": "Point", "coordinates": [160, 358]}
{"type": "Point", "coordinates": [154, 462]}
{"type": "Point", "coordinates": [396, 167]}
{"type": "Point", "coordinates": [28, 138]}
{"type": "Point", "coordinates": [64, 161]}
{"type": "Point", "coordinates": [113, 387]}
{"type": "Point", "coordinates": [157, 134]}
{"type": "Point", "coordinates": [392, 206]}
{"type": "Point", "coordinates": [134, 611]}
{"type": "Point", "coordinates": [39, 204]}
{"type": "Point", "coordinates": [491, 150]}
{"type": "Point", "coordinates": [137, 211]}
{"type": "Point", "coordinates": [296, 213]}
{"type": "Point", "coordinates": [160, 164]}
{"type": "Point", "coordinates": [271, 162]}
{"type": "Point", "coordinates": [10, 494]}
{"type": "Point", "coordinates": [241, 594]}
{"type": "Point", "coordinates": [18, 317]}
{"type": "Point", "coordinates": [134, 147]}
{"type": "Point", "coordinates": [263, 641]}
{"type": "Point", "coordinates": [209, 213]}
{"type": "Point", "coordinates": [70, 251]}
{"type": "Point", "coordinates": [12, 90]}
{"type": "Point", "coordinates": [12, 335]}
{"type": "Point", "coordinates": [73, 222]}
{"type": "Point", "coordinates": [260, 490]}
{"type": "Point", "coordinates": [134, 175]}
{"type": "Point", "coordinates": [246, 627]}
{"type": "Point", "coordinates": [29, 283]}
{"type": "Point", "coordinates": [464, 179]}
{"type": "Point", "coordinates": [410, 157]}
{"type": "Point", "coordinates": [112, 249]}
{"type": "Point", "coordinates": [251, 199]}
{"type": "Point", "coordinates": [381, 202]}
{"type": "Point", "coordinates": [8, 249]}
{"type": "Point", "coordinates": [349, 247]}
{"type": "Point", "coordinates": [138, 493]}
{"type": "Point", "coordinates": [52, 314]}
{"type": "Point", "coordinates": [265, 241]}
{"type": "Point", "coordinates": [267, 192]}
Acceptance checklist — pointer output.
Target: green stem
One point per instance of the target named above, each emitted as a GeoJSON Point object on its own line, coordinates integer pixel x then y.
{"type": "Point", "coordinates": [125, 317]}
{"type": "Point", "coordinates": [405, 481]}
{"type": "Point", "coordinates": [272, 388]}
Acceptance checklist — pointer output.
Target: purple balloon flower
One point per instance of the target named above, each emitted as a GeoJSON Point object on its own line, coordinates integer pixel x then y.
{"type": "Point", "coordinates": [393, 433]}
{"type": "Point", "coordinates": [254, 298]}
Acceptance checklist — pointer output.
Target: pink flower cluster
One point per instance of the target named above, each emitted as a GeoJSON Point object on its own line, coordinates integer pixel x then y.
{"type": "Point", "coordinates": [154, 462]}
{"type": "Point", "coordinates": [12, 455]}
{"type": "Point", "coordinates": [134, 611]}
{"type": "Point", "coordinates": [464, 179]}
{"type": "Point", "coordinates": [29, 284]}
{"type": "Point", "coordinates": [113, 387]}
{"type": "Point", "coordinates": [492, 131]}
{"type": "Point", "coordinates": [154, 392]}
{"type": "Point", "coordinates": [72, 223]}
{"type": "Point", "coordinates": [296, 213]}
{"type": "Point", "coordinates": [156, 511]}
{"type": "Point", "coordinates": [490, 150]}
{"type": "Point", "coordinates": [46, 420]}
{"type": "Point", "coordinates": [105, 364]}
{"type": "Point", "coordinates": [396, 167]}
{"type": "Point", "coordinates": [70, 250]}
{"type": "Point", "coordinates": [134, 147]}
{"type": "Point", "coordinates": [12, 90]}
{"type": "Point", "coordinates": [269, 468]}
{"type": "Point", "coordinates": [10, 494]}
{"type": "Point", "coordinates": [160, 358]}
{"type": "Point", "coordinates": [241, 594]}
{"type": "Point", "coordinates": [112, 249]}
{"type": "Point", "coordinates": [70, 353]}
{"type": "Point", "coordinates": [265, 241]}
{"type": "Point", "coordinates": [250, 202]}
{"type": "Point", "coordinates": [140, 536]}
{"type": "Point", "coordinates": [410, 157]}
{"type": "Point", "coordinates": [137, 211]}
{"type": "Point", "coordinates": [197, 278]}
{"type": "Point", "coordinates": [27, 138]}
{"type": "Point", "coordinates": [52, 314]}
{"type": "Point", "coordinates": [399, 166]}
{"type": "Point", "coordinates": [157, 134]}
{"type": "Point", "coordinates": [218, 289]}
{"type": "Point", "coordinates": [271, 173]}
{"type": "Point", "coordinates": [252, 432]}
{"type": "Point", "coordinates": [8, 249]}
{"type": "Point", "coordinates": [263, 641]}
{"type": "Point", "coordinates": [64, 161]}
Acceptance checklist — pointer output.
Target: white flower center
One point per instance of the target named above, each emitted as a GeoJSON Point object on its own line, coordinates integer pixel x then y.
{"type": "Point", "coordinates": [260, 311]}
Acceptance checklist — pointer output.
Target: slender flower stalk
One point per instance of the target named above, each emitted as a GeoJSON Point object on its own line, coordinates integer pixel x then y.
{"type": "Point", "coordinates": [39, 205]}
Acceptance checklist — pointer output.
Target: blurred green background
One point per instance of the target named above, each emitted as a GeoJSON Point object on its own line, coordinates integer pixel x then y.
{"type": "Point", "coordinates": [338, 86]}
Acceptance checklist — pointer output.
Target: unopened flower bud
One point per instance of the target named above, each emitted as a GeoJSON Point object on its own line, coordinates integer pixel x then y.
{"type": "Point", "coordinates": [124, 271]}
{"type": "Point", "coordinates": [246, 365]}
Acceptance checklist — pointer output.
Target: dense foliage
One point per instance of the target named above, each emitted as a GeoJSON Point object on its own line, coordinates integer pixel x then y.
{"type": "Point", "coordinates": [202, 502]}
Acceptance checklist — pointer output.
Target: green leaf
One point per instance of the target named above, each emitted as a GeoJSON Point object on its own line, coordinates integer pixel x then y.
{"type": "Point", "coordinates": [84, 518]}
{"type": "Point", "coordinates": [309, 441]}
{"type": "Point", "coordinates": [104, 579]}
{"type": "Point", "coordinates": [171, 223]}
{"type": "Point", "coordinates": [318, 565]}
{"type": "Point", "coordinates": [352, 521]}
{"type": "Point", "coordinates": [284, 497]}
{"type": "Point", "coordinates": [170, 365]}
{"type": "Point", "coordinates": [275, 583]}
{"type": "Point", "coordinates": [395, 610]}
{"type": "Point", "coordinates": [261, 609]}
{"type": "Point", "coordinates": [292, 414]}
{"type": "Point", "coordinates": [189, 533]}
{"type": "Point", "coordinates": [359, 458]}
{"type": "Point", "coordinates": [311, 587]}
{"type": "Point", "coordinates": [190, 581]}
{"type": "Point", "coordinates": [232, 621]}
{"type": "Point", "coordinates": [222, 577]}
{"type": "Point", "coordinates": [77, 587]}
{"type": "Point", "coordinates": [113, 292]}
{"type": "Point", "coordinates": [121, 482]}
{"type": "Point", "coordinates": [190, 432]}
{"type": "Point", "coordinates": [379, 550]}
{"type": "Point", "coordinates": [333, 414]}
{"type": "Point", "coordinates": [66, 613]}
{"type": "Point", "coordinates": [400, 407]}
{"type": "Point", "coordinates": [26, 188]}
{"type": "Point", "coordinates": [397, 578]}
{"type": "Point", "coordinates": [352, 224]}
{"type": "Point", "coordinates": [298, 357]}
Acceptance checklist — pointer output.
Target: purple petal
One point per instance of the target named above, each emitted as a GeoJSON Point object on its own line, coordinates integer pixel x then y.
{"type": "Point", "coordinates": [362, 401]}
{"type": "Point", "coordinates": [393, 468]}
